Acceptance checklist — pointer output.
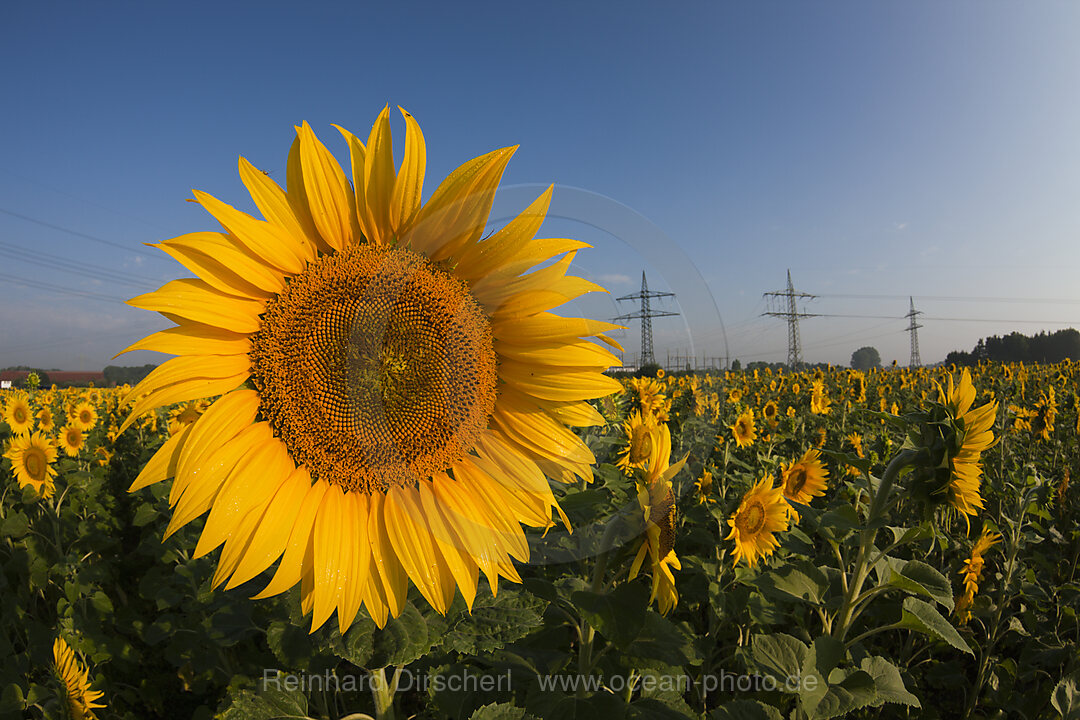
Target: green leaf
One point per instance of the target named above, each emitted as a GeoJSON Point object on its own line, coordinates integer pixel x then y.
{"type": "Point", "coordinates": [273, 703]}
{"type": "Point", "coordinates": [802, 580]}
{"type": "Point", "coordinates": [15, 525]}
{"type": "Point", "coordinates": [144, 515]}
{"type": "Point", "coordinates": [919, 578]}
{"type": "Point", "coordinates": [745, 710]}
{"type": "Point", "coordinates": [618, 615]}
{"type": "Point", "coordinates": [405, 638]}
{"type": "Point", "coordinates": [838, 523]}
{"type": "Point", "coordinates": [1066, 697]}
{"type": "Point", "coordinates": [887, 682]}
{"type": "Point", "coordinates": [500, 711]}
{"type": "Point", "coordinates": [924, 618]}
{"type": "Point", "coordinates": [848, 690]}
{"type": "Point", "coordinates": [494, 622]}
{"type": "Point", "coordinates": [780, 656]}
{"type": "Point", "coordinates": [812, 683]}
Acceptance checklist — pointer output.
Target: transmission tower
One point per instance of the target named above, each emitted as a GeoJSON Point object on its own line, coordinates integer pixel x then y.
{"type": "Point", "coordinates": [646, 314]}
{"type": "Point", "coordinates": [913, 328]}
{"type": "Point", "coordinates": [792, 315]}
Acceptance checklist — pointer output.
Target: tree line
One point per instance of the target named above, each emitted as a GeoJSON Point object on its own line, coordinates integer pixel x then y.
{"type": "Point", "coordinates": [1017, 347]}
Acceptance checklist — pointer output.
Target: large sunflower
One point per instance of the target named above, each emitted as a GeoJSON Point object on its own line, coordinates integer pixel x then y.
{"type": "Point", "coordinates": [17, 414]}
{"type": "Point", "coordinates": [32, 457]}
{"type": "Point", "coordinates": [81, 700]}
{"type": "Point", "coordinates": [975, 436]}
{"type": "Point", "coordinates": [804, 479]}
{"type": "Point", "coordinates": [394, 389]}
{"type": "Point", "coordinates": [761, 514]}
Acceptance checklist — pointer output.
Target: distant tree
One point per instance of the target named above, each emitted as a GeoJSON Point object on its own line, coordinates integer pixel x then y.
{"type": "Point", "coordinates": [1017, 347]}
{"type": "Point", "coordinates": [648, 370]}
{"type": "Point", "coordinates": [736, 364]}
{"type": "Point", "coordinates": [118, 375]}
{"type": "Point", "coordinates": [865, 358]}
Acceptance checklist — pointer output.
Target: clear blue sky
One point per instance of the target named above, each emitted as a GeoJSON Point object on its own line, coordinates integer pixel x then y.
{"type": "Point", "coordinates": [880, 149]}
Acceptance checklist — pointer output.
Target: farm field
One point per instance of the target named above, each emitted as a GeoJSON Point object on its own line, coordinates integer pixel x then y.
{"type": "Point", "coordinates": [752, 544]}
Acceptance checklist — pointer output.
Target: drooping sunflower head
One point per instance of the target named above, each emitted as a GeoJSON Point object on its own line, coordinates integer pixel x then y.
{"type": "Point", "coordinates": [394, 389]}
{"type": "Point", "coordinates": [743, 430]}
{"type": "Point", "coordinates": [80, 699]}
{"type": "Point", "coordinates": [761, 514]}
{"type": "Point", "coordinates": [640, 431]}
{"type": "Point", "coordinates": [17, 414]}
{"type": "Point", "coordinates": [805, 478]}
{"type": "Point", "coordinates": [45, 419]}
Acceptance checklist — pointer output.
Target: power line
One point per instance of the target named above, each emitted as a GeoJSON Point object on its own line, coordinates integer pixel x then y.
{"type": "Point", "coordinates": [955, 298]}
{"type": "Point", "coordinates": [60, 289]}
{"type": "Point", "coordinates": [76, 233]}
{"type": "Point", "coordinates": [53, 262]}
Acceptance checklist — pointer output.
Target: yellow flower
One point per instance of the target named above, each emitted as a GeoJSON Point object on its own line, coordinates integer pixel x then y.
{"type": "Point", "coordinates": [819, 399]}
{"type": "Point", "coordinates": [17, 414]}
{"type": "Point", "coordinates": [639, 436]}
{"type": "Point", "coordinates": [770, 412]}
{"type": "Point", "coordinates": [32, 457]}
{"type": "Point", "coordinates": [974, 424]}
{"type": "Point", "coordinates": [804, 479]}
{"type": "Point", "coordinates": [45, 420]}
{"type": "Point", "coordinates": [744, 431]}
{"type": "Point", "coordinates": [761, 514]}
{"type": "Point", "coordinates": [972, 572]}
{"type": "Point", "coordinates": [84, 416]}
{"type": "Point", "coordinates": [81, 700]}
{"type": "Point", "coordinates": [71, 440]}
{"type": "Point", "coordinates": [185, 414]}
{"type": "Point", "coordinates": [704, 486]}
{"type": "Point", "coordinates": [657, 503]}
{"type": "Point", "coordinates": [394, 389]}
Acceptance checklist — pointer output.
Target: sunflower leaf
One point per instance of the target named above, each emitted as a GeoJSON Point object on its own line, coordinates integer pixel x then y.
{"type": "Point", "coordinates": [924, 618]}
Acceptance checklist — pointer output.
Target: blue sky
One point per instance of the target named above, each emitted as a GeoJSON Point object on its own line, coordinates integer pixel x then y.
{"type": "Point", "coordinates": [879, 150]}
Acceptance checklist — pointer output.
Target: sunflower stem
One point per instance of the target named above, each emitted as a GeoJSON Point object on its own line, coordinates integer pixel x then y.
{"type": "Point", "coordinates": [383, 694]}
{"type": "Point", "coordinates": [862, 565]}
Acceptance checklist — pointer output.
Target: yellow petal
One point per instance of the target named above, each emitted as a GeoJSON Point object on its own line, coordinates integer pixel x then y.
{"type": "Point", "coordinates": [409, 185]}
{"type": "Point", "coordinates": [267, 242]}
{"type": "Point", "coordinates": [559, 386]}
{"type": "Point", "coordinates": [329, 196]}
{"type": "Point", "coordinates": [218, 259]}
{"type": "Point", "coordinates": [163, 465]}
{"type": "Point", "coordinates": [273, 528]}
{"type": "Point", "coordinates": [193, 339]}
{"type": "Point", "coordinates": [298, 550]}
{"type": "Point", "coordinates": [545, 329]}
{"type": "Point", "coordinates": [355, 578]}
{"type": "Point", "coordinates": [274, 205]}
{"type": "Point", "coordinates": [191, 389]}
{"type": "Point", "coordinates": [221, 422]}
{"type": "Point", "coordinates": [255, 478]}
{"type": "Point", "coordinates": [196, 300]}
{"type": "Point", "coordinates": [394, 580]}
{"type": "Point", "coordinates": [461, 565]}
{"type": "Point", "coordinates": [483, 258]}
{"type": "Point", "coordinates": [332, 555]}
{"type": "Point", "coordinates": [190, 366]}
{"type": "Point", "coordinates": [582, 353]}
{"type": "Point", "coordinates": [413, 544]}
{"type": "Point", "coordinates": [298, 199]}
{"type": "Point", "coordinates": [379, 177]}
{"type": "Point", "coordinates": [455, 216]}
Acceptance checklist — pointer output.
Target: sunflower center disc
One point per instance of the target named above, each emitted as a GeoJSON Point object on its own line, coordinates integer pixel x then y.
{"type": "Point", "coordinates": [752, 518]}
{"type": "Point", "coordinates": [797, 480]}
{"type": "Point", "coordinates": [376, 368]}
{"type": "Point", "coordinates": [35, 464]}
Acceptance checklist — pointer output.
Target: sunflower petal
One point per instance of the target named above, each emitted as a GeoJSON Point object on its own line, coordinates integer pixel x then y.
{"type": "Point", "coordinates": [298, 548]}
{"type": "Point", "coordinates": [333, 207]}
{"type": "Point", "coordinates": [379, 177]}
{"type": "Point", "coordinates": [262, 240]}
{"type": "Point", "coordinates": [197, 301]}
{"type": "Point", "coordinates": [409, 184]}
{"type": "Point", "coordinates": [274, 205]}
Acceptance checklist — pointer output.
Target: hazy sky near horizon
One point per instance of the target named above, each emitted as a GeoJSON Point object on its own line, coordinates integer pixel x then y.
{"type": "Point", "coordinates": [877, 150]}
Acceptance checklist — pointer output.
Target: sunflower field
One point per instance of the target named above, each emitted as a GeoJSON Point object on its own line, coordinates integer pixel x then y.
{"type": "Point", "coordinates": [381, 479]}
{"type": "Point", "coordinates": [738, 553]}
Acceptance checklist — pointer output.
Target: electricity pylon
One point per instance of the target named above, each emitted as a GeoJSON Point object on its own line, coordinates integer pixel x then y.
{"type": "Point", "coordinates": [646, 314]}
{"type": "Point", "coordinates": [792, 315]}
{"type": "Point", "coordinates": [913, 328]}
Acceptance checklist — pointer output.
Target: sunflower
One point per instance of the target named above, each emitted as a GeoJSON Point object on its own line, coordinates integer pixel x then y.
{"type": "Point", "coordinates": [974, 437]}
{"type": "Point", "coordinates": [744, 431]}
{"type": "Point", "coordinates": [71, 440]}
{"type": "Point", "coordinates": [84, 416]}
{"type": "Point", "coordinates": [761, 514]}
{"type": "Point", "coordinates": [184, 414]}
{"type": "Point", "coordinates": [17, 414]}
{"type": "Point", "coordinates": [31, 458]}
{"type": "Point", "coordinates": [819, 399]}
{"type": "Point", "coordinates": [804, 479]}
{"type": "Point", "coordinates": [394, 389]}
{"type": "Point", "coordinates": [45, 419]}
{"type": "Point", "coordinates": [81, 700]}
{"type": "Point", "coordinates": [972, 572]}
{"type": "Point", "coordinates": [704, 487]}
{"type": "Point", "coordinates": [657, 501]}
{"type": "Point", "coordinates": [771, 413]}
{"type": "Point", "coordinates": [639, 431]}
